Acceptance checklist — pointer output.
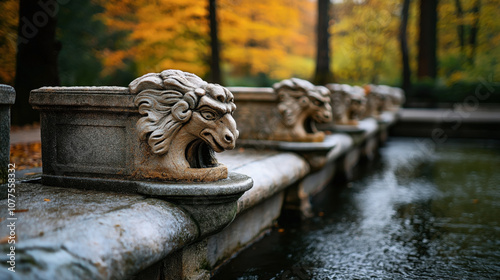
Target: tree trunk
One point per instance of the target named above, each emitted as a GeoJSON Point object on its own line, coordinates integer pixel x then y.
{"type": "Point", "coordinates": [427, 60]}
{"type": "Point", "coordinates": [215, 73]}
{"type": "Point", "coordinates": [460, 26]}
{"type": "Point", "coordinates": [322, 74]}
{"type": "Point", "coordinates": [36, 60]}
{"type": "Point", "coordinates": [404, 45]}
{"type": "Point", "coordinates": [473, 32]}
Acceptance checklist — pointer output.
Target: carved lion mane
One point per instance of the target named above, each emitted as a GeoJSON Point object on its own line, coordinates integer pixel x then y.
{"type": "Point", "coordinates": [167, 101]}
{"type": "Point", "coordinates": [298, 96]}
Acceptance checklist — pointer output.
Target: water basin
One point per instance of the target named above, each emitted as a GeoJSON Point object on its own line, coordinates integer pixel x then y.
{"type": "Point", "coordinates": [413, 213]}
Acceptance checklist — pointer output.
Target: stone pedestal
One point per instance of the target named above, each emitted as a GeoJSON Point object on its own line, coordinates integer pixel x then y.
{"type": "Point", "coordinates": [287, 112]}
{"type": "Point", "coordinates": [7, 98]}
{"type": "Point", "coordinates": [164, 127]}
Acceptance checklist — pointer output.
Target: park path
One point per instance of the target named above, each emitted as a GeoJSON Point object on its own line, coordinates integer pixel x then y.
{"type": "Point", "coordinates": [29, 134]}
{"type": "Point", "coordinates": [26, 150]}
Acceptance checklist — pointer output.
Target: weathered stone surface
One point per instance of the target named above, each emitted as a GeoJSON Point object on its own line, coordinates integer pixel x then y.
{"type": "Point", "coordinates": [357, 107]}
{"type": "Point", "coordinates": [258, 208]}
{"type": "Point", "coordinates": [393, 97]}
{"type": "Point", "coordinates": [235, 184]}
{"type": "Point", "coordinates": [184, 120]}
{"type": "Point", "coordinates": [316, 153]}
{"type": "Point", "coordinates": [247, 228]}
{"type": "Point", "coordinates": [7, 95]}
{"type": "Point", "coordinates": [213, 205]}
{"type": "Point", "coordinates": [164, 127]}
{"type": "Point", "coordinates": [369, 127]}
{"type": "Point", "coordinates": [287, 114]}
{"type": "Point", "coordinates": [77, 234]}
{"type": "Point", "coordinates": [348, 105]}
{"type": "Point", "coordinates": [339, 95]}
{"type": "Point", "coordinates": [376, 97]}
{"type": "Point", "coordinates": [87, 132]}
{"type": "Point", "coordinates": [68, 243]}
{"type": "Point", "coordinates": [325, 146]}
{"type": "Point", "coordinates": [7, 98]}
{"type": "Point", "coordinates": [268, 172]}
{"type": "Point", "coordinates": [74, 234]}
{"type": "Point", "coordinates": [387, 118]}
{"type": "Point", "coordinates": [440, 124]}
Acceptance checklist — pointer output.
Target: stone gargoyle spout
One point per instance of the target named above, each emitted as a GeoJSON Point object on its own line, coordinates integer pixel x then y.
{"type": "Point", "coordinates": [183, 121]}
{"type": "Point", "coordinates": [301, 105]}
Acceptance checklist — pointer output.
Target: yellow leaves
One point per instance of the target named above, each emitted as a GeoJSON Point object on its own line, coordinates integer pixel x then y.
{"type": "Point", "coordinates": [262, 36]}
{"type": "Point", "coordinates": [364, 39]}
{"type": "Point", "coordinates": [113, 60]}
{"type": "Point", "coordinates": [455, 77]}
{"type": "Point", "coordinates": [26, 155]}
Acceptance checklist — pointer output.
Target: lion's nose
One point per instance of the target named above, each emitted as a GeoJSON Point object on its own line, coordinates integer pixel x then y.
{"type": "Point", "coordinates": [228, 138]}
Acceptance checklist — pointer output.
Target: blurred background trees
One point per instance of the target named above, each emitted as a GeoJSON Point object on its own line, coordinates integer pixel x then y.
{"type": "Point", "coordinates": [110, 42]}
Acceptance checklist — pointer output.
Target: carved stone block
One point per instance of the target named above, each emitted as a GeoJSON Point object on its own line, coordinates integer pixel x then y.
{"type": "Point", "coordinates": [357, 107]}
{"type": "Point", "coordinates": [375, 101]}
{"type": "Point", "coordinates": [383, 98]}
{"type": "Point", "coordinates": [396, 99]}
{"type": "Point", "coordinates": [341, 100]}
{"type": "Point", "coordinates": [163, 127]}
{"type": "Point", "coordinates": [348, 105]}
{"type": "Point", "coordinates": [288, 112]}
{"type": "Point", "coordinates": [184, 120]}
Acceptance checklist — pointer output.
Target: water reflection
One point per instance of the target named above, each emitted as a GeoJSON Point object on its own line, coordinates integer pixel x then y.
{"type": "Point", "coordinates": [412, 215]}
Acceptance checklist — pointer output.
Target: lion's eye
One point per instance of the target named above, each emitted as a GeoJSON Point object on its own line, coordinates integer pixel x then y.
{"type": "Point", "coordinates": [208, 115]}
{"type": "Point", "coordinates": [317, 103]}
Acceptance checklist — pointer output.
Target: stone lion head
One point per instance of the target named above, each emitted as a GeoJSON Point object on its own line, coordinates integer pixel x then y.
{"type": "Point", "coordinates": [299, 99]}
{"type": "Point", "coordinates": [176, 104]}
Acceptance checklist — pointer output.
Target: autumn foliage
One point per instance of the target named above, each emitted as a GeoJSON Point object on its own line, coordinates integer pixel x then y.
{"type": "Point", "coordinates": [111, 42]}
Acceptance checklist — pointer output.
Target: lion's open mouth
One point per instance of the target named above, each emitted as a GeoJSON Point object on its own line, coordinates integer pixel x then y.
{"type": "Point", "coordinates": [310, 126]}
{"type": "Point", "coordinates": [200, 155]}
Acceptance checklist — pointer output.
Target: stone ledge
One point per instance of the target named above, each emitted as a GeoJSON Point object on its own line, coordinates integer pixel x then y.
{"type": "Point", "coordinates": [269, 174]}
{"type": "Point", "coordinates": [89, 234]}
{"type": "Point", "coordinates": [448, 115]}
{"type": "Point", "coordinates": [83, 234]}
{"type": "Point", "coordinates": [443, 123]}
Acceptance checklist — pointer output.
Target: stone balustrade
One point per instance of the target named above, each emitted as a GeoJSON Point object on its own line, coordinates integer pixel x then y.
{"type": "Point", "coordinates": [66, 233]}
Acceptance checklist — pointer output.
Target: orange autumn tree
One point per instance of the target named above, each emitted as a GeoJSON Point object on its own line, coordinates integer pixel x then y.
{"type": "Point", "coordinates": [272, 37]}
{"type": "Point", "coordinates": [159, 35]}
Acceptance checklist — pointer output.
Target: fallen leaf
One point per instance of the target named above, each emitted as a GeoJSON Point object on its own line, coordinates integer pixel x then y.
{"type": "Point", "coordinates": [20, 210]}
{"type": "Point", "coordinates": [26, 155]}
{"type": "Point", "coordinates": [5, 239]}
{"type": "Point", "coordinates": [46, 199]}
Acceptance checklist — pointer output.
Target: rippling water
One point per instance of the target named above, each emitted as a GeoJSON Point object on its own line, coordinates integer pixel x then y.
{"type": "Point", "coordinates": [414, 214]}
